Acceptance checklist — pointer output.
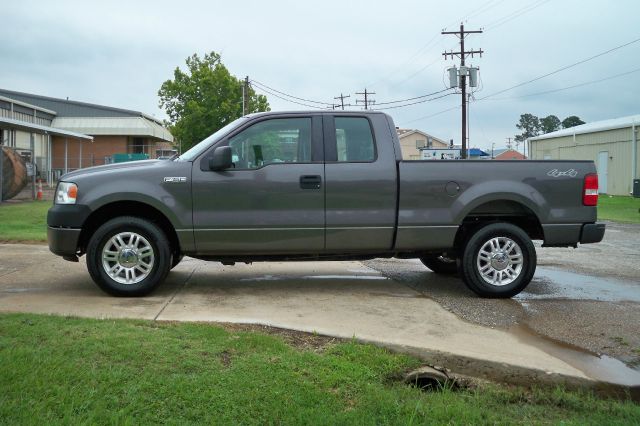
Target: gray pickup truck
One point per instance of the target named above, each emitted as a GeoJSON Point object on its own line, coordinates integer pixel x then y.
{"type": "Point", "coordinates": [320, 186]}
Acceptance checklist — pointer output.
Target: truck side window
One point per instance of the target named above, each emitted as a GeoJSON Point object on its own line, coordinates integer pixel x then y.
{"type": "Point", "coordinates": [354, 139]}
{"type": "Point", "coordinates": [279, 140]}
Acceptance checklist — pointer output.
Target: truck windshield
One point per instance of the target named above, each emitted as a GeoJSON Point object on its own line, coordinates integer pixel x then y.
{"type": "Point", "coordinates": [198, 149]}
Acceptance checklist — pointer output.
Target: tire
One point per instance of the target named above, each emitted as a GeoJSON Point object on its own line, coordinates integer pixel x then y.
{"type": "Point", "coordinates": [135, 250]}
{"type": "Point", "coordinates": [440, 264]}
{"type": "Point", "coordinates": [498, 261]}
{"type": "Point", "coordinates": [176, 258]}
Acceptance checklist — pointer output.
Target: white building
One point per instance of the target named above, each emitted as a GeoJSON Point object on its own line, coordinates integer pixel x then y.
{"type": "Point", "coordinates": [612, 144]}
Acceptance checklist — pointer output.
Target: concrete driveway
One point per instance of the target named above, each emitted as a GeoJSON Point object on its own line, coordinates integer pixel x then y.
{"type": "Point", "coordinates": [341, 299]}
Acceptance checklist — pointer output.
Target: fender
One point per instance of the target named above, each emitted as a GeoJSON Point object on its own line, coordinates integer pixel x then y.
{"type": "Point", "coordinates": [485, 192]}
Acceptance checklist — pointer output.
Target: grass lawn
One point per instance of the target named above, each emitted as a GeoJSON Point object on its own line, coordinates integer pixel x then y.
{"type": "Point", "coordinates": [24, 221]}
{"type": "Point", "coordinates": [619, 208]}
{"type": "Point", "coordinates": [70, 370]}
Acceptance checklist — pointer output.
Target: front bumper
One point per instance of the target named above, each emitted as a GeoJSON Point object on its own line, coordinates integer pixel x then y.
{"type": "Point", "coordinates": [63, 241]}
{"type": "Point", "coordinates": [68, 215]}
{"type": "Point", "coordinates": [592, 233]}
{"type": "Point", "coordinates": [65, 223]}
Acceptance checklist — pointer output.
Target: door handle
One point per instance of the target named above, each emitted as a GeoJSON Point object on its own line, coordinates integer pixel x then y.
{"type": "Point", "coordinates": [310, 182]}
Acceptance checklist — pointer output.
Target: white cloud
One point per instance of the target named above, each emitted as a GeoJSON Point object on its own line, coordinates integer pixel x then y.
{"type": "Point", "coordinates": [119, 53]}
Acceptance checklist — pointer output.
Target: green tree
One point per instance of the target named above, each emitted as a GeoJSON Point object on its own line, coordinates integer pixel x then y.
{"type": "Point", "coordinates": [571, 121]}
{"type": "Point", "coordinates": [204, 98]}
{"type": "Point", "coordinates": [530, 126]}
{"type": "Point", "coordinates": [549, 124]}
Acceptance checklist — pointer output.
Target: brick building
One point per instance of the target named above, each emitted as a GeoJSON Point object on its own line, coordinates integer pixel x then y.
{"type": "Point", "coordinates": [65, 135]}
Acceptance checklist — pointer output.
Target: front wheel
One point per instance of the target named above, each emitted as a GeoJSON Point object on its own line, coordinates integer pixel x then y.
{"type": "Point", "coordinates": [498, 261]}
{"type": "Point", "coordinates": [128, 256]}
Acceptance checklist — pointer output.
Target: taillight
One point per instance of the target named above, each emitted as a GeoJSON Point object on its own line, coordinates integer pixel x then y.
{"type": "Point", "coordinates": [590, 190]}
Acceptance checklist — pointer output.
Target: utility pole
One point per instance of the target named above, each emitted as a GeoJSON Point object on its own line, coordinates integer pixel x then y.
{"type": "Point", "coordinates": [341, 97]}
{"type": "Point", "coordinates": [366, 100]}
{"type": "Point", "coordinates": [509, 143]}
{"type": "Point", "coordinates": [245, 96]}
{"type": "Point", "coordinates": [462, 54]}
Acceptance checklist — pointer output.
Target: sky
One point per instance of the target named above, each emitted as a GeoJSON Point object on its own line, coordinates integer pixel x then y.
{"type": "Point", "coordinates": [118, 53]}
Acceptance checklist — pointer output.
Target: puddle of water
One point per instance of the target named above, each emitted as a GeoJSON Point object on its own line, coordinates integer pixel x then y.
{"type": "Point", "coordinates": [21, 290]}
{"type": "Point", "coordinates": [362, 271]}
{"type": "Point", "coordinates": [316, 277]}
{"type": "Point", "coordinates": [263, 278]}
{"type": "Point", "coordinates": [549, 283]}
{"type": "Point", "coordinates": [402, 295]}
{"type": "Point", "coordinates": [601, 368]}
{"type": "Point", "coordinates": [344, 277]}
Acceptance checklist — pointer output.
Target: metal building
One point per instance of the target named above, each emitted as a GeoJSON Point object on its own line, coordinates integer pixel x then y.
{"type": "Point", "coordinates": [612, 144]}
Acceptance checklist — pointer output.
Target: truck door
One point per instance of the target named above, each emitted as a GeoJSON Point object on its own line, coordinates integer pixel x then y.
{"type": "Point", "coordinates": [272, 201]}
{"type": "Point", "coordinates": [360, 182]}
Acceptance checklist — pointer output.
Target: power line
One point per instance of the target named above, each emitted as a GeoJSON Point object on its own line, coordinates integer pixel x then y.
{"type": "Point", "coordinates": [289, 100]}
{"type": "Point", "coordinates": [517, 13]}
{"type": "Point", "coordinates": [480, 11]}
{"type": "Point", "coordinates": [419, 102]}
{"type": "Point", "coordinates": [562, 69]}
{"type": "Point", "coordinates": [534, 94]}
{"type": "Point", "coordinates": [406, 62]}
{"type": "Point", "coordinates": [434, 114]}
{"type": "Point", "coordinates": [412, 99]}
{"type": "Point", "coordinates": [290, 96]}
{"type": "Point", "coordinates": [416, 73]}
{"type": "Point", "coordinates": [465, 16]}
{"type": "Point", "coordinates": [430, 44]}
{"type": "Point", "coordinates": [531, 94]}
{"type": "Point", "coordinates": [586, 83]}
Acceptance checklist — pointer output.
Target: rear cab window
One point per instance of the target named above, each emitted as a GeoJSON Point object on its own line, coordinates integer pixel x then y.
{"type": "Point", "coordinates": [354, 140]}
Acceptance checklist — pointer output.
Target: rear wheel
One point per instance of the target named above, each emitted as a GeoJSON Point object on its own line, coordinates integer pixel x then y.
{"type": "Point", "coordinates": [498, 261]}
{"type": "Point", "coordinates": [128, 256]}
{"type": "Point", "coordinates": [440, 264]}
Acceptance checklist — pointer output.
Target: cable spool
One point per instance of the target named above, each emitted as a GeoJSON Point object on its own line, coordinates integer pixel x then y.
{"type": "Point", "coordinates": [14, 173]}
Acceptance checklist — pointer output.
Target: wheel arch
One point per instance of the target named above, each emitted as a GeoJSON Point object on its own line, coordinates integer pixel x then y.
{"type": "Point", "coordinates": [127, 208]}
{"type": "Point", "coordinates": [507, 210]}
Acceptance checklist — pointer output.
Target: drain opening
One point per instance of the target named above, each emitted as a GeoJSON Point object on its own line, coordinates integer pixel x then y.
{"type": "Point", "coordinates": [430, 379]}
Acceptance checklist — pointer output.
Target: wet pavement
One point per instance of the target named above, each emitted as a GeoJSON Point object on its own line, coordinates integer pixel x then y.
{"type": "Point", "coordinates": [554, 283]}
{"type": "Point", "coordinates": [576, 320]}
{"type": "Point", "coordinates": [586, 299]}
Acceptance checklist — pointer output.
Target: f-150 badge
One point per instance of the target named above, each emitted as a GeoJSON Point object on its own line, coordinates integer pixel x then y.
{"type": "Point", "coordinates": [175, 179]}
{"type": "Point", "coordinates": [558, 173]}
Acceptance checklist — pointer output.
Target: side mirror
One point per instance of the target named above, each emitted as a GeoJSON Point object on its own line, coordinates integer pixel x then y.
{"type": "Point", "coordinates": [221, 159]}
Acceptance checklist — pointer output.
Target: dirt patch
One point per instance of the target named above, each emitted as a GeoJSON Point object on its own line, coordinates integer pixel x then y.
{"type": "Point", "coordinates": [225, 358]}
{"type": "Point", "coordinates": [31, 242]}
{"type": "Point", "coordinates": [297, 339]}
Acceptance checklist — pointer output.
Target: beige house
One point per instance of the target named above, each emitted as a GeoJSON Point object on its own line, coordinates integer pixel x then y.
{"type": "Point", "coordinates": [412, 140]}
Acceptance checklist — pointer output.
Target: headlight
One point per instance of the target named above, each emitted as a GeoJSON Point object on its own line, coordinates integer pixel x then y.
{"type": "Point", "coordinates": [66, 193]}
